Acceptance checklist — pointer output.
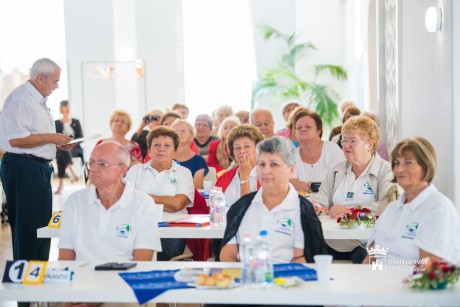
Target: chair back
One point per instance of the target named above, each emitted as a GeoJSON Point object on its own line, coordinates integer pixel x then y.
{"type": "Point", "coordinates": [211, 175]}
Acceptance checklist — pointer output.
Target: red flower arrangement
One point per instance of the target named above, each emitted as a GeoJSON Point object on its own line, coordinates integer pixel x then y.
{"type": "Point", "coordinates": [357, 216]}
{"type": "Point", "coordinates": [432, 275]}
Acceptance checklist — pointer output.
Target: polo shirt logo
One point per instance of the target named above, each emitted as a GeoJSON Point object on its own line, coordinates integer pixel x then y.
{"type": "Point", "coordinates": [410, 231]}
{"type": "Point", "coordinates": [367, 189]}
{"type": "Point", "coordinates": [172, 180]}
{"type": "Point", "coordinates": [284, 226]}
{"type": "Point", "coordinates": [123, 231]}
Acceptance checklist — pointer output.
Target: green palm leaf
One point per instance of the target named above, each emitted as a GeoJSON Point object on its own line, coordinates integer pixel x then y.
{"type": "Point", "coordinates": [285, 82]}
{"type": "Point", "coordinates": [337, 71]}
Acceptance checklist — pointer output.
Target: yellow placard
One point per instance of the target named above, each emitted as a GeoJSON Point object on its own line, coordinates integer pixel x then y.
{"type": "Point", "coordinates": [55, 220]}
{"type": "Point", "coordinates": [35, 272]}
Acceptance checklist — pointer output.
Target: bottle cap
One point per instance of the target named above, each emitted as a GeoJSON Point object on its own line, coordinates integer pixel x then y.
{"type": "Point", "coordinates": [263, 233]}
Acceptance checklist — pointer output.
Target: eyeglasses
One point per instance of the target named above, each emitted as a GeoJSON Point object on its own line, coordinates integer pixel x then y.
{"type": "Point", "coordinates": [99, 164]}
{"type": "Point", "coordinates": [159, 146]}
{"type": "Point", "coordinates": [352, 142]}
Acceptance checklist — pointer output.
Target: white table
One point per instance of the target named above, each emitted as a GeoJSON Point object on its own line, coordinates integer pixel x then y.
{"type": "Point", "coordinates": [352, 285]}
{"type": "Point", "coordinates": [331, 230]}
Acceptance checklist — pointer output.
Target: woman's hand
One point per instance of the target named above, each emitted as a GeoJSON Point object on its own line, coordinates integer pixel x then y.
{"type": "Point", "coordinates": [244, 166]}
{"type": "Point", "coordinates": [338, 210]}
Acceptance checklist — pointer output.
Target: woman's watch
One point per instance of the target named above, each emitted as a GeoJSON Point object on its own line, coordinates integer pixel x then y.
{"type": "Point", "coordinates": [244, 181]}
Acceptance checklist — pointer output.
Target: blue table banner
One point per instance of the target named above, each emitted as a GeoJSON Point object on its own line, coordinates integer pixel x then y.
{"type": "Point", "coordinates": [294, 270]}
{"type": "Point", "coordinates": [148, 285]}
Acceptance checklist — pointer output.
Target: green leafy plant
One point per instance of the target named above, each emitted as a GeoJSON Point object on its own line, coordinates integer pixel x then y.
{"type": "Point", "coordinates": [286, 82]}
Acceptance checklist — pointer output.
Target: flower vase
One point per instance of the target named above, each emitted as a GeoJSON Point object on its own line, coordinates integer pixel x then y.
{"type": "Point", "coordinates": [440, 285]}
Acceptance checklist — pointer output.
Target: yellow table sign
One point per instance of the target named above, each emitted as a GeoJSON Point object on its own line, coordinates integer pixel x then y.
{"type": "Point", "coordinates": [35, 272]}
{"type": "Point", "coordinates": [55, 221]}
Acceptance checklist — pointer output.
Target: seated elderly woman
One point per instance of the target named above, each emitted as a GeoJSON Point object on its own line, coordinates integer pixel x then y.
{"type": "Point", "coordinates": [422, 222]}
{"type": "Point", "coordinates": [120, 123]}
{"type": "Point", "coordinates": [276, 200]}
{"type": "Point", "coordinates": [219, 157]}
{"type": "Point", "coordinates": [165, 181]}
{"type": "Point", "coordinates": [242, 178]}
{"type": "Point", "coordinates": [315, 157]}
{"type": "Point", "coordinates": [364, 179]}
{"type": "Point", "coordinates": [185, 156]}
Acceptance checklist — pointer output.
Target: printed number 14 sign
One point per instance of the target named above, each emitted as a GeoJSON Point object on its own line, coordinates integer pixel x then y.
{"type": "Point", "coordinates": [23, 271]}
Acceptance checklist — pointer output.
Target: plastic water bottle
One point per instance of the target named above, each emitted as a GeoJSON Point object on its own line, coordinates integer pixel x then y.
{"type": "Point", "coordinates": [248, 260]}
{"type": "Point", "coordinates": [218, 209]}
{"type": "Point", "coordinates": [264, 267]}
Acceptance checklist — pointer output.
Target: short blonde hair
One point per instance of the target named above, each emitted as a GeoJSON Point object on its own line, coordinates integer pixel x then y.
{"type": "Point", "coordinates": [184, 122]}
{"type": "Point", "coordinates": [121, 113]}
{"type": "Point", "coordinates": [365, 127]}
{"type": "Point", "coordinates": [424, 152]}
{"type": "Point", "coordinates": [240, 131]}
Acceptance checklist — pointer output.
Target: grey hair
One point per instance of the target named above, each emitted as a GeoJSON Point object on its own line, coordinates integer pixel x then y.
{"type": "Point", "coordinates": [45, 67]}
{"type": "Point", "coordinates": [227, 119]}
{"type": "Point", "coordinates": [205, 117]}
{"type": "Point", "coordinates": [259, 110]}
{"type": "Point", "coordinates": [278, 145]}
{"type": "Point", "coordinates": [224, 108]}
{"type": "Point", "coordinates": [123, 155]}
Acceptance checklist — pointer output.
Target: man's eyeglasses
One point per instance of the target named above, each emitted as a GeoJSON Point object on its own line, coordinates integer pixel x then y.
{"type": "Point", "coordinates": [352, 142]}
{"type": "Point", "coordinates": [100, 164]}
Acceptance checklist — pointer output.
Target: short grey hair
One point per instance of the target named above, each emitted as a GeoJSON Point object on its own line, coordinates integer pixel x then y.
{"type": "Point", "coordinates": [205, 117]}
{"type": "Point", "coordinates": [259, 111]}
{"type": "Point", "coordinates": [227, 119]}
{"type": "Point", "coordinates": [123, 155]}
{"type": "Point", "coordinates": [45, 67]}
{"type": "Point", "coordinates": [278, 145]}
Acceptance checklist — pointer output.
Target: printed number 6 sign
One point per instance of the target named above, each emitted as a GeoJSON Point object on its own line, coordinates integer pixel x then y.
{"type": "Point", "coordinates": [55, 221]}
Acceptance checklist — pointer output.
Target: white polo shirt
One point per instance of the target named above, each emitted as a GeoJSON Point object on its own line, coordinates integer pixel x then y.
{"type": "Point", "coordinates": [98, 234]}
{"type": "Point", "coordinates": [24, 113]}
{"type": "Point", "coordinates": [233, 191]}
{"type": "Point", "coordinates": [354, 191]}
{"type": "Point", "coordinates": [429, 222]}
{"type": "Point", "coordinates": [331, 155]}
{"type": "Point", "coordinates": [284, 229]}
{"type": "Point", "coordinates": [176, 180]}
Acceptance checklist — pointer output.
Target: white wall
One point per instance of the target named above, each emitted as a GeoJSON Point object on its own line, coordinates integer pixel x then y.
{"type": "Point", "coordinates": [426, 106]}
{"type": "Point", "coordinates": [219, 56]}
{"type": "Point", "coordinates": [30, 30]}
{"type": "Point", "coordinates": [456, 93]}
{"type": "Point", "coordinates": [160, 44]}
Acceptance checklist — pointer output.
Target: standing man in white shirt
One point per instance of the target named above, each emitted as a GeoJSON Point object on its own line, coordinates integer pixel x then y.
{"type": "Point", "coordinates": [28, 135]}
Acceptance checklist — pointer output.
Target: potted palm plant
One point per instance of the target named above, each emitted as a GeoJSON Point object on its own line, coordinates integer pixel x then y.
{"type": "Point", "coordinates": [285, 81]}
